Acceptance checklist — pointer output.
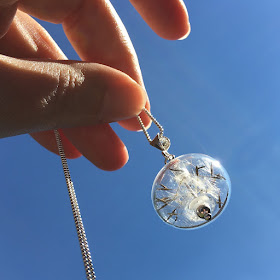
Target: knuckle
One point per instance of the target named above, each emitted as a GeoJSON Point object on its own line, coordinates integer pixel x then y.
{"type": "Point", "coordinates": [64, 91]}
{"type": "Point", "coordinates": [69, 79]}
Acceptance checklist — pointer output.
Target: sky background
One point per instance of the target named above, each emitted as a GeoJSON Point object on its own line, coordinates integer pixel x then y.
{"type": "Point", "coordinates": [217, 92]}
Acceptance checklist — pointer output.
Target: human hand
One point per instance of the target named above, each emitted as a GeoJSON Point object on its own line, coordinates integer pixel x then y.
{"type": "Point", "coordinates": [46, 91]}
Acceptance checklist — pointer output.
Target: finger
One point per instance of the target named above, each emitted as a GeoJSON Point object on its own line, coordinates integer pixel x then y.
{"type": "Point", "coordinates": [106, 150]}
{"type": "Point", "coordinates": [8, 9]}
{"type": "Point", "coordinates": [111, 156]}
{"type": "Point", "coordinates": [168, 18]}
{"type": "Point", "coordinates": [97, 34]}
{"type": "Point", "coordinates": [50, 95]}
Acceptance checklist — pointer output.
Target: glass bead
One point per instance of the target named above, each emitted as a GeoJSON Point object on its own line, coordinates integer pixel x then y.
{"type": "Point", "coordinates": [191, 191]}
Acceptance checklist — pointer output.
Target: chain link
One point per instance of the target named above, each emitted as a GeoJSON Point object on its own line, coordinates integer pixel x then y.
{"type": "Point", "coordinates": [161, 130]}
{"type": "Point", "coordinates": [90, 274]}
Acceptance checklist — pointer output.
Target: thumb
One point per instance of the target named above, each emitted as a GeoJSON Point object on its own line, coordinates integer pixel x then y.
{"type": "Point", "coordinates": [8, 9]}
{"type": "Point", "coordinates": [45, 95]}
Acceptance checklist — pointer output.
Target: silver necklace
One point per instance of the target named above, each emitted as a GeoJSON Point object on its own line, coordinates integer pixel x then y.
{"type": "Point", "coordinates": [90, 275]}
{"type": "Point", "coordinates": [190, 191]}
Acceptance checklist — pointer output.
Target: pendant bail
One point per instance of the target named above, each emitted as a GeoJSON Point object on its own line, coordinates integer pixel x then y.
{"type": "Point", "coordinates": [160, 142]}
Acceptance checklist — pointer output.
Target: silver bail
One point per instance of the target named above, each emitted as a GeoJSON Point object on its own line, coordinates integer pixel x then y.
{"type": "Point", "coordinates": [160, 142]}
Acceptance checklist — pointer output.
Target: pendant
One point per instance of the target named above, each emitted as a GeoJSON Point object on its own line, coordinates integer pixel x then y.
{"type": "Point", "coordinates": [191, 190]}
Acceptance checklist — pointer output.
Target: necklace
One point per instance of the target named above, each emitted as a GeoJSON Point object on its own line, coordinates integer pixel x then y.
{"type": "Point", "coordinates": [188, 192]}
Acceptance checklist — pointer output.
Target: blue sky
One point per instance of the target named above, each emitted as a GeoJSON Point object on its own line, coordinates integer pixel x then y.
{"type": "Point", "coordinates": [217, 92]}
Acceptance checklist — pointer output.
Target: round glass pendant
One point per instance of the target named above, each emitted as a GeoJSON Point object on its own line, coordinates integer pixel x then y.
{"type": "Point", "coordinates": [190, 191]}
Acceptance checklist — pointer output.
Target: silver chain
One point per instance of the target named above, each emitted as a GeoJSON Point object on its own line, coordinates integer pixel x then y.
{"type": "Point", "coordinates": [160, 142]}
{"type": "Point", "coordinates": [90, 275]}
{"type": "Point", "coordinates": [161, 130]}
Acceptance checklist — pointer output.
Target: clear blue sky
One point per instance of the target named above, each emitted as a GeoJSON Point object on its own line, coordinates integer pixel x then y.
{"type": "Point", "coordinates": [216, 93]}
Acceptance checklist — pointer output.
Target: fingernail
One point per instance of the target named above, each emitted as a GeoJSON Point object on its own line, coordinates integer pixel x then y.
{"type": "Point", "coordinates": [187, 34]}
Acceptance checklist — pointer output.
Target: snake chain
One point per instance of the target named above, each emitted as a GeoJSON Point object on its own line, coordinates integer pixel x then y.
{"type": "Point", "coordinates": [90, 275]}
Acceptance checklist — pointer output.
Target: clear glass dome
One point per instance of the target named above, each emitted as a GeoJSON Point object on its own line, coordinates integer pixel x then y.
{"type": "Point", "coordinates": [190, 191]}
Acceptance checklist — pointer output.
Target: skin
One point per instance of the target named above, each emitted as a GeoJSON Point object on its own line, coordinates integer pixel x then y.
{"type": "Point", "coordinates": [41, 90]}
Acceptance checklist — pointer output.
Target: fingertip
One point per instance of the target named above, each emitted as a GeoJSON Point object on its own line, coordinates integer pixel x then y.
{"type": "Point", "coordinates": [180, 29]}
{"type": "Point", "coordinates": [124, 98]}
{"type": "Point", "coordinates": [168, 18]}
{"type": "Point", "coordinates": [187, 32]}
{"type": "Point", "coordinates": [118, 161]}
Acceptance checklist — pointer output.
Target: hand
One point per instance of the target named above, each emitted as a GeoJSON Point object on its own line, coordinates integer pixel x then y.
{"type": "Point", "coordinates": [47, 91]}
